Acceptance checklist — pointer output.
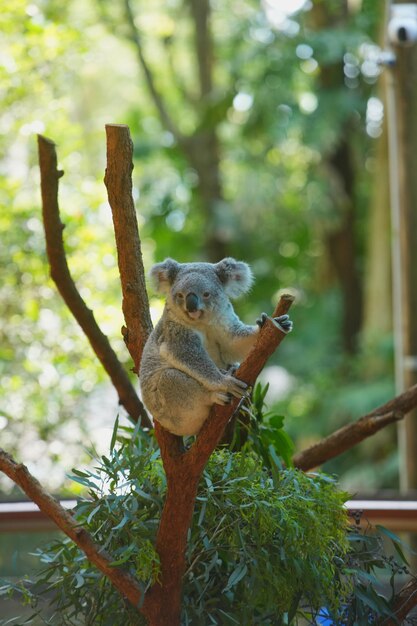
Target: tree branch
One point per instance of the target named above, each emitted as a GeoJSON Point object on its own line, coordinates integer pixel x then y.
{"type": "Point", "coordinates": [158, 101]}
{"type": "Point", "coordinates": [200, 12]}
{"type": "Point", "coordinates": [61, 276]}
{"type": "Point", "coordinates": [348, 436]}
{"type": "Point", "coordinates": [121, 579]}
{"type": "Point", "coordinates": [162, 603]}
{"type": "Point", "coordinates": [188, 96]}
{"type": "Point", "coordinates": [118, 181]}
{"type": "Point", "coordinates": [268, 341]}
{"type": "Point", "coordinates": [404, 601]}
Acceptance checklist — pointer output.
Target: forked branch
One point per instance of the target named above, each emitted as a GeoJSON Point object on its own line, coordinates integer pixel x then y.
{"type": "Point", "coordinates": [183, 469]}
{"type": "Point", "coordinates": [162, 603]}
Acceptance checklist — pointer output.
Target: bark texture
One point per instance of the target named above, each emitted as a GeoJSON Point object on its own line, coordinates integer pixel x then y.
{"type": "Point", "coordinates": [404, 601]}
{"type": "Point", "coordinates": [118, 180]}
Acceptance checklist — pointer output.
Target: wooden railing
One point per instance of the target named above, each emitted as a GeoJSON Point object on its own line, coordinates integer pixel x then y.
{"type": "Point", "coordinates": [397, 515]}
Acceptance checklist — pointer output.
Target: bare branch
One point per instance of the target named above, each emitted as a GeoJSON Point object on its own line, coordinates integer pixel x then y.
{"type": "Point", "coordinates": [61, 275]}
{"type": "Point", "coordinates": [118, 181]}
{"type": "Point", "coordinates": [121, 579]}
{"type": "Point", "coordinates": [350, 435]}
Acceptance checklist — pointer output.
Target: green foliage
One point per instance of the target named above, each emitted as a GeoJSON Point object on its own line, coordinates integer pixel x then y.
{"type": "Point", "coordinates": [266, 547]}
{"type": "Point", "coordinates": [374, 574]}
{"type": "Point", "coordinates": [46, 364]}
{"type": "Point", "coordinates": [253, 534]}
{"type": "Point", "coordinates": [264, 431]}
{"type": "Point", "coordinates": [61, 66]}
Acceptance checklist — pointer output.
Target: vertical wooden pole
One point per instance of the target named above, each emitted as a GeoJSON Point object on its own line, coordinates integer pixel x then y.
{"type": "Point", "coordinates": [402, 112]}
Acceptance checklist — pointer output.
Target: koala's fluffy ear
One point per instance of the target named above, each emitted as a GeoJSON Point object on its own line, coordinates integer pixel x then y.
{"type": "Point", "coordinates": [236, 276]}
{"type": "Point", "coordinates": [163, 274]}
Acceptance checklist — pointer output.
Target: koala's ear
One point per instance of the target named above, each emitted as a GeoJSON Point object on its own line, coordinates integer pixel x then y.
{"type": "Point", "coordinates": [236, 276]}
{"type": "Point", "coordinates": [163, 274]}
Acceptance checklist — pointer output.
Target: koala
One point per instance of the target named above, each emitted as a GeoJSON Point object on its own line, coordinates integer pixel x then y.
{"type": "Point", "coordinates": [189, 358]}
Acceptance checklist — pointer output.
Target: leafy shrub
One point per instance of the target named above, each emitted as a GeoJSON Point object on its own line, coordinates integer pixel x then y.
{"type": "Point", "coordinates": [261, 548]}
{"type": "Point", "coordinates": [268, 546]}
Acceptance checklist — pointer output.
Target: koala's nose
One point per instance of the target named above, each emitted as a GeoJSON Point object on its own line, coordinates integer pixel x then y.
{"type": "Point", "coordinates": [191, 302]}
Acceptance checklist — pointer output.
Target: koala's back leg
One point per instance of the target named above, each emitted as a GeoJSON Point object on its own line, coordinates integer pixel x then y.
{"type": "Point", "coordinates": [180, 403]}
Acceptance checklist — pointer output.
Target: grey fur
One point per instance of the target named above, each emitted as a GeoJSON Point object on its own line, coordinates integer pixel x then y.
{"type": "Point", "coordinates": [186, 361]}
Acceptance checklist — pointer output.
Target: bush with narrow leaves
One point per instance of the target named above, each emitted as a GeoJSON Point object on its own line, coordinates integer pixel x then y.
{"type": "Point", "coordinates": [268, 546]}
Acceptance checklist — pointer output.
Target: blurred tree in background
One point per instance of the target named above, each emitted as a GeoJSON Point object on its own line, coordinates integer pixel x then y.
{"type": "Point", "coordinates": [255, 128]}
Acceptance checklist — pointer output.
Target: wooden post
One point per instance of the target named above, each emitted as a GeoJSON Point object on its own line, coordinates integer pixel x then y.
{"type": "Point", "coordinates": [402, 122]}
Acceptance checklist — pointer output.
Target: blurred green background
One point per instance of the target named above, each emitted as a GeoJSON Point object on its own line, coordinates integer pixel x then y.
{"type": "Point", "coordinates": [259, 133]}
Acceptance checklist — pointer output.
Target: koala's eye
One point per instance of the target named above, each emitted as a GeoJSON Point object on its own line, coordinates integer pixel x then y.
{"type": "Point", "coordinates": [180, 295]}
{"type": "Point", "coordinates": [206, 294]}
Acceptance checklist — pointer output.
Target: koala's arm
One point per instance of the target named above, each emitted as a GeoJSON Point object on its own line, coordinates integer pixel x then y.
{"type": "Point", "coordinates": [239, 340]}
{"type": "Point", "coordinates": [183, 349]}
{"type": "Point", "coordinates": [241, 337]}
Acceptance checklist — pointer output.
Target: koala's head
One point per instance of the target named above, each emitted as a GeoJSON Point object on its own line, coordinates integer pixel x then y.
{"type": "Point", "coordinates": [201, 291]}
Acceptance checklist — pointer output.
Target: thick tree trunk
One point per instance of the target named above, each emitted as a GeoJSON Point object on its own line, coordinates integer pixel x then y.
{"type": "Point", "coordinates": [163, 601]}
{"type": "Point", "coordinates": [341, 245]}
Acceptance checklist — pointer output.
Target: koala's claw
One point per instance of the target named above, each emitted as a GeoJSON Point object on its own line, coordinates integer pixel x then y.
{"type": "Point", "coordinates": [261, 320]}
{"type": "Point", "coordinates": [222, 398]}
{"type": "Point", "coordinates": [283, 322]}
{"type": "Point", "coordinates": [236, 387]}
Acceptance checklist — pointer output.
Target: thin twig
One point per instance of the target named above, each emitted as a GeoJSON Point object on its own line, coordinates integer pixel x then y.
{"type": "Point", "coordinates": [121, 579]}
{"type": "Point", "coordinates": [60, 273]}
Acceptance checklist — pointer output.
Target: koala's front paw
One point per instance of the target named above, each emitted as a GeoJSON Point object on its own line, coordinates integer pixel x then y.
{"type": "Point", "coordinates": [235, 386]}
{"type": "Point", "coordinates": [261, 320]}
{"type": "Point", "coordinates": [283, 322]}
